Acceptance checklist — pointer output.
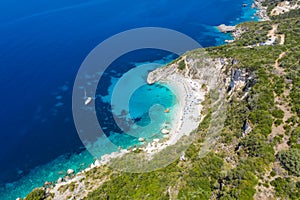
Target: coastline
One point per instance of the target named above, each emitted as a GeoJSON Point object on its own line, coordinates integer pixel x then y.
{"type": "Point", "coordinates": [190, 92]}
{"type": "Point", "coordinates": [235, 31]}
{"type": "Point", "coordinates": [101, 179]}
{"type": "Point", "coordinates": [180, 125]}
{"type": "Point", "coordinates": [261, 12]}
{"type": "Point", "coordinates": [186, 118]}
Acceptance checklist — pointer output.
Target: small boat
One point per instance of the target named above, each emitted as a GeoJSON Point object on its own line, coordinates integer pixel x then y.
{"type": "Point", "coordinates": [88, 101]}
{"type": "Point", "coordinates": [167, 110]}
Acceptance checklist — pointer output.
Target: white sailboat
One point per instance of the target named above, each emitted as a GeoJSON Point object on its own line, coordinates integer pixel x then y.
{"type": "Point", "coordinates": [88, 100]}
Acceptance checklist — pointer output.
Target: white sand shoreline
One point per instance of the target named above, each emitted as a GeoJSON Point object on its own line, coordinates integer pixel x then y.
{"type": "Point", "coordinates": [186, 117]}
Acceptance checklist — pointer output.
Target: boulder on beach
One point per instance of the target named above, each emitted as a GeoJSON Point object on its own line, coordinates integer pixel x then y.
{"type": "Point", "coordinates": [60, 180]}
{"type": "Point", "coordinates": [70, 171]}
{"type": "Point", "coordinates": [156, 140]}
{"type": "Point", "coordinates": [47, 183]}
{"type": "Point", "coordinates": [165, 131]}
{"type": "Point", "coordinates": [97, 163]}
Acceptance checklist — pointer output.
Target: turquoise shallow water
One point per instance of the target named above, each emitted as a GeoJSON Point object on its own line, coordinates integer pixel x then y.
{"type": "Point", "coordinates": [42, 47]}
{"type": "Point", "coordinates": [147, 104]}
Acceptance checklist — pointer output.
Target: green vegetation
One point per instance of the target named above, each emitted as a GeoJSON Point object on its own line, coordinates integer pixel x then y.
{"type": "Point", "coordinates": [252, 154]}
{"type": "Point", "coordinates": [286, 188]}
{"type": "Point", "coordinates": [294, 141]}
{"type": "Point", "coordinates": [279, 85]}
{"type": "Point", "coordinates": [181, 65]}
{"type": "Point", "coordinates": [290, 160]}
{"type": "Point", "coordinates": [190, 178]}
{"type": "Point", "coordinates": [72, 186]}
{"type": "Point", "coordinates": [277, 113]}
{"type": "Point", "coordinates": [36, 194]}
{"type": "Point", "coordinates": [240, 161]}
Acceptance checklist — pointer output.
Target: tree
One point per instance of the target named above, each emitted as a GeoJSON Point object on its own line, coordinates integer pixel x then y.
{"type": "Point", "coordinates": [290, 160]}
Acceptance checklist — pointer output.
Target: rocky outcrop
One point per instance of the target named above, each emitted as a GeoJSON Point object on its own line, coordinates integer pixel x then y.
{"type": "Point", "coordinates": [225, 29]}
{"type": "Point", "coordinates": [201, 68]}
{"type": "Point", "coordinates": [284, 7]}
{"type": "Point", "coordinates": [261, 10]}
{"type": "Point", "coordinates": [70, 171]}
{"type": "Point", "coordinates": [165, 131]}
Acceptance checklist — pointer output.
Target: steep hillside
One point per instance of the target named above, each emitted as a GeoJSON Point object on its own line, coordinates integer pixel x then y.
{"type": "Point", "coordinates": [256, 153]}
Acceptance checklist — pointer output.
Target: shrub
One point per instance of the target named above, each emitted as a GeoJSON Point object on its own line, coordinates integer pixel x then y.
{"type": "Point", "coordinates": [36, 194]}
{"type": "Point", "coordinates": [181, 65]}
{"type": "Point", "coordinates": [277, 113]}
{"type": "Point", "coordinates": [290, 160]}
{"type": "Point", "coordinates": [286, 188]}
{"type": "Point", "coordinates": [295, 138]}
{"type": "Point", "coordinates": [278, 122]}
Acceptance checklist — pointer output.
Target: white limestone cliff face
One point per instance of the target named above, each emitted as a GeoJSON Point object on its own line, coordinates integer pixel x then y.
{"type": "Point", "coordinates": [198, 67]}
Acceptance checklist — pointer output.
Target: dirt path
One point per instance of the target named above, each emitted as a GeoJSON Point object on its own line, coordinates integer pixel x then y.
{"type": "Point", "coordinates": [263, 192]}
{"type": "Point", "coordinates": [282, 105]}
{"type": "Point", "coordinates": [272, 34]}
{"type": "Point", "coordinates": [276, 131]}
{"type": "Point", "coordinates": [279, 70]}
{"type": "Point", "coordinates": [273, 31]}
{"type": "Point", "coordinates": [282, 39]}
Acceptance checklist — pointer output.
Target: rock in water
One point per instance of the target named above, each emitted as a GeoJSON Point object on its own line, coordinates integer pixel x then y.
{"type": "Point", "coordinates": [70, 171]}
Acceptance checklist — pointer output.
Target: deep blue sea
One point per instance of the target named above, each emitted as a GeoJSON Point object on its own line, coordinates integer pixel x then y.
{"type": "Point", "coordinates": [42, 45]}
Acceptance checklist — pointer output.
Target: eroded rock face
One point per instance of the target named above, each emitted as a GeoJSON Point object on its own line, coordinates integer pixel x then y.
{"type": "Point", "coordinates": [201, 68]}
{"type": "Point", "coordinates": [240, 80]}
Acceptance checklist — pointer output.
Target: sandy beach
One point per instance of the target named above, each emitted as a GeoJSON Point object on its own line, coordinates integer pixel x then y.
{"type": "Point", "coordinates": [186, 116]}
